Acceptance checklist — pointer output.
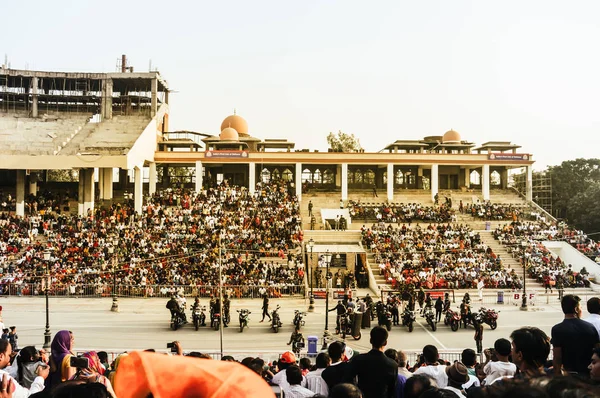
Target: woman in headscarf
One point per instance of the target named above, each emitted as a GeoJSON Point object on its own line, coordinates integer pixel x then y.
{"type": "Point", "coordinates": [115, 365]}
{"type": "Point", "coordinates": [60, 368]}
{"type": "Point", "coordinates": [96, 369]}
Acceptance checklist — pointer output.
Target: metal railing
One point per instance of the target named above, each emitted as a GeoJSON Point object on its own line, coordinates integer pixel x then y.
{"type": "Point", "coordinates": [85, 290]}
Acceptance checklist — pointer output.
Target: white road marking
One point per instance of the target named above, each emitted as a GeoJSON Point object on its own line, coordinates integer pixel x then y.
{"type": "Point", "coordinates": [432, 335]}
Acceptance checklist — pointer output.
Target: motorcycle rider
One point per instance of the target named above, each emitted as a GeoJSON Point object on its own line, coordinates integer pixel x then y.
{"type": "Point", "coordinates": [465, 310]}
{"type": "Point", "coordinates": [369, 303]}
{"type": "Point", "coordinates": [175, 308]}
{"type": "Point", "coordinates": [226, 305]}
{"type": "Point", "coordinates": [439, 305]}
{"type": "Point", "coordinates": [446, 302]}
{"type": "Point", "coordinates": [393, 306]}
{"type": "Point", "coordinates": [196, 307]}
{"type": "Point", "coordinates": [421, 298]}
{"type": "Point", "coordinates": [295, 338]}
{"type": "Point", "coordinates": [341, 310]}
{"type": "Point", "coordinates": [215, 305]}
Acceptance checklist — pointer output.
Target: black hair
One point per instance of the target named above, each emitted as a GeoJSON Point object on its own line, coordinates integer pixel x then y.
{"type": "Point", "coordinates": [430, 353]}
{"type": "Point", "coordinates": [228, 358]}
{"type": "Point", "coordinates": [533, 344]}
{"type": "Point", "coordinates": [3, 346]}
{"type": "Point", "coordinates": [247, 361]}
{"type": "Point", "coordinates": [593, 305]}
{"type": "Point", "coordinates": [437, 393]}
{"type": "Point", "coordinates": [345, 390]}
{"type": "Point", "coordinates": [304, 363]}
{"type": "Point", "coordinates": [502, 347]}
{"type": "Point", "coordinates": [379, 337]}
{"type": "Point", "coordinates": [569, 303]}
{"type": "Point", "coordinates": [293, 375]}
{"type": "Point", "coordinates": [27, 354]}
{"type": "Point", "coordinates": [416, 384]}
{"type": "Point", "coordinates": [391, 354]}
{"type": "Point", "coordinates": [335, 351]}
{"type": "Point", "coordinates": [103, 356]}
{"type": "Point", "coordinates": [323, 360]}
{"type": "Point", "coordinates": [469, 357]}
{"type": "Point", "coordinates": [81, 390]}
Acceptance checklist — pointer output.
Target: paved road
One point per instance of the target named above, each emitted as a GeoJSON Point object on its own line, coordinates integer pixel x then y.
{"type": "Point", "coordinates": [144, 323]}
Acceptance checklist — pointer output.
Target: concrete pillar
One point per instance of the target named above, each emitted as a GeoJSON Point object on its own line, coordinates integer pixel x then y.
{"type": "Point", "coordinates": [166, 180]}
{"type": "Point", "coordinates": [154, 101]}
{"type": "Point", "coordinates": [106, 182]}
{"type": "Point", "coordinates": [33, 186]}
{"type": "Point", "coordinates": [504, 178]}
{"type": "Point", "coordinates": [34, 96]}
{"type": "Point", "coordinates": [344, 181]}
{"type": "Point", "coordinates": [20, 197]}
{"type": "Point", "coordinates": [198, 176]}
{"type": "Point", "coordinates": [338, 175]}
{"type": "Point", "coordinates": [107, 94]}
{"type": "Point", "coordinates": [299, 181]}
{"type": "Point", "coordinates": [89, 192]}
{"type": "Point", "coordinates": [485, 182]}
{"type": "Point", "coordinates": [529, 184]}
{"type": "Point", "coordinates": [152, 178]}
{"type": "Point", "coordinates": [467, 177]}
{"type": "Point", "coordinates": [251, 177]}
{"type": "Point", "coordinates": [420, 177]}
{"type": "Point", "coordinates": [390, 182]}
{"type": "Point", "coordinates": [138, 183]}
{"type": "Point", "coordinates": [123, 178]}
{"type": "Point", "coordinates": [80, 193]}
{"type": "Point", "coordinates": [434, 181]}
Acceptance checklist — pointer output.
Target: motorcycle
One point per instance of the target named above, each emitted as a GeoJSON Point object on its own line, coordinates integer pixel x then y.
{"type": "Point", "coordinates": [489, 316]}
{"type": "Point", "coordinates": [297, 346]}
{"type": "Point", "coordinates": [299, 318]}
{"type": "Point", "coordinates": [198, 317]}
{"type": "Point", "coordinates": [275, 320]}
{"type": "Point", "coordinates": [452, 318]}
{"type": "Point", "coordinates": [430, 317]}
{"type": "Point", "coordinates": [346, 327]}
{"type": "Point", "coordinates": [215, 321]}
{"type": "Point", "coordinates": [244, 315]}
{"type": "Point", "coordinates": [408, 319]}
{"type": "Point", "coordinates": [384, 316]}
{"type": "Point", "coordinates": [177, 320]}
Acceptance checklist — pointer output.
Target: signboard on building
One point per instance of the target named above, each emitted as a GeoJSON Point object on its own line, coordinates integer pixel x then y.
{"type": "Point", "coordinates": [508, 156]}
{"type": "Point", "coordinates": [226, 154]}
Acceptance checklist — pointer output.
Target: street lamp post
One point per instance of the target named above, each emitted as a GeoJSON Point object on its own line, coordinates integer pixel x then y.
{"type": "Point", "coordinates": [47, 337]}
{"type": "Point", "coordinates": [115, 299]}
{"type": "Point", "coordinates": [311, 275]}
{"type": "Point", "coordinates": [327, 281]}
{"type": "Point", "coordinates": [524, 303]}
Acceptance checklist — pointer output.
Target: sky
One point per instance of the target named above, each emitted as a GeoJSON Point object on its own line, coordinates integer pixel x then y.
{"type": "Point", "coordinates": [520, 71]}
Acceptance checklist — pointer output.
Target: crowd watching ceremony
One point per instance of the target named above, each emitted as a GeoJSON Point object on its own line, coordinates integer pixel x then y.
{"type": "Point", "coordinates": [176, 247]}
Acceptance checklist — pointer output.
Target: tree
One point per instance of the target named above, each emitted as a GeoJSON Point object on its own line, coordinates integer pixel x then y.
{"type": "Point", "coordinates": [343, 142]}
{"type": "Point", "coordinates": [569, 179]}
{"type": "Point", "coordinates": [583, 209]}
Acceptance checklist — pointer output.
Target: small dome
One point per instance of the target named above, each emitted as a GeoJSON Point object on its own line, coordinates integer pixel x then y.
{"type": "Point", "coordinates": [451, 136]}
{"type": "Point", "coordinates": [236, 122]}
{"type": "Point", "coordinates": [229, 134]}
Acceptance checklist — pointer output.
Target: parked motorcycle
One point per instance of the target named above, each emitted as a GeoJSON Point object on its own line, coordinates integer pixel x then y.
{"type": "Point", "coordinates": [430, 317]}
{"type": "Point", "coordinates": [244, 317]}
{"type": "Point", "coordinates": [198, 317]}
{"type": "Point", "coordinates": [384, 316]}
{"type": "Point", "coordinates": [489, 316]}
{"type": "Point", "coordinates": [452, 318]}
{"type": "Point", "coordinates": [215, 321]}
{"type": "Point", "coordinates": [408, 319]}
{"type": "Point", "coordinates": [299, 318]}
{"type": "Point", "coordinates": [275, 320]}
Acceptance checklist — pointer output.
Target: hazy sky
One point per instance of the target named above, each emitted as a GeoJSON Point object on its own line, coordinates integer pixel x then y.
{"type": "Point", "coordinates": [520, 71]}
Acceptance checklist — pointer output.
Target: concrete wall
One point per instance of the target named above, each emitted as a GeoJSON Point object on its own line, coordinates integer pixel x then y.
{"type": "Point", "coordinates": [572, 256]}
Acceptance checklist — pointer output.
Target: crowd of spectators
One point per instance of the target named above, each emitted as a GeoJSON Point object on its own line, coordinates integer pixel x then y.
{"type": "Point", "coordinates": [175, 241]}
{"type": "Point", "coordinates": [523, 240]}
{"type": "Point", "coordinates": [519, 367]}
{"type": "Point", "coordinates": [400, 212]}
{"type": "Point", "coordinates": [436, 257]}
{"type": "Point", "coordinates": [491, 211]}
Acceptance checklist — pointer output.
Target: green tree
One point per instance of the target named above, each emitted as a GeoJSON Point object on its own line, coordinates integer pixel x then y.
{"type": "Point", "coordinates": [583, 209]}
{"type": "Point", "coordinates": [343, 142]}
{"type": "Point", "coordinates": [569, 179]}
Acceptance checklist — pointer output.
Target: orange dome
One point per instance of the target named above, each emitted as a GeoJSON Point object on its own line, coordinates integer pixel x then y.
{"type": "Point", "coordinates": [451, 136]}
{"type": "Point", "coordinates": [229, 134]}
{"type": "Point", "coordinates": [236, 122]}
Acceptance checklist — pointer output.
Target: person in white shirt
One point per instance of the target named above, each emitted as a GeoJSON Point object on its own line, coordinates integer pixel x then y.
{"type": "Point", "coordinates": [480, 286]}
{"type": "Point", "coordinates": [314, 381]}
{"type": "Point", "coordinates": [593, 307]}
{"type": "Point", "coordinates": [287, 359]}
{"type": "Point", "coordinates": [295, 379]}
{"type": "Point", "coordinates": [432, 367]}
{"type": "Point", "coordinates": [19, 391]}
{"type": "Point", "coordinates": [500, 367]}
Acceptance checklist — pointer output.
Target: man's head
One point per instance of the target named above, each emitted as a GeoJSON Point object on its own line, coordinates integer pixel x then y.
{"type": "Point", "coordinates": [457, 374]}
{"type": "Point", "coordinates": [5, 351]}
{"type": "Point", "coordinates": [502, 347]}
{"type": "Point", "coordinates": [430, 353]}
{"type": "Point", "coordinates": [530, 348]}
{"type": "Point", "coordinates": [570, 305]}
{"type": "Point", "coordinates": [293, 375]}
{"type": "Point", "coordinates": [379, 337]}
{"type": "Point", "coordinates": [345, 390]}
{"type": "Point", "coordinates": [416, 384]}
{"type": "Point", "coordinates": [323, 360]}
{"type": "Point", "coordinates": [469, 357]}
{"type": "Point", "coordinates": [401, 359]}
{"type": "Point", "coordinates": [392, 354]}
{"type": "Point", "coordinates": [335, 351]}
{"type": "Point", "coordinates": [593, 305]}
{"type": "Point", "coordinates": [13, 329]}
{"type": "Point", "coordinates": [287, 359]}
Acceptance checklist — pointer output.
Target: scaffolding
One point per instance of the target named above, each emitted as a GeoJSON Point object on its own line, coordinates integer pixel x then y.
{"type": "Point", "coordinates": [541, 188]}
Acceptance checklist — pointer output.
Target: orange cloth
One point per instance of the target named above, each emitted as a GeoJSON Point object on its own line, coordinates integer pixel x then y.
{"type": "Point", "coordinates": [143, 373]}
